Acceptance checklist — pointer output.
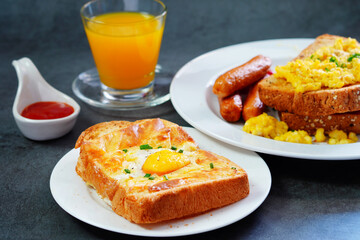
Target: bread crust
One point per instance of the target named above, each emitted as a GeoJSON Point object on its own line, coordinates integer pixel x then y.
{"type": "Point", "coordinates": [280, 95]}
{"type": "Point", "coordinates": [180, 202]}
{"type": "Point", "coordinates": [99, 129]}
{"type": "Point", "coordinates": [191, 194]}
{"type": "Point", "coordinates": [348, 122]}
{"type": "Point", "coordinates": [275, 93]}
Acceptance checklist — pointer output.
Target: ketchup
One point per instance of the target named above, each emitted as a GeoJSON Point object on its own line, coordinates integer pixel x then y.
{"type": "Point", "coordinates": [47, 110]}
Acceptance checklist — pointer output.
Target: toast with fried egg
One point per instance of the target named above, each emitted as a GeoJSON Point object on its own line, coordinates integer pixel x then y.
{"type": "Point", "coordinates": [278, 93]}
{"type": "Point", "coordinates": [151, 170]}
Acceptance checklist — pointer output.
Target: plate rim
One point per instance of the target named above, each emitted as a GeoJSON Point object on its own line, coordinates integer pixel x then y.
{"type": "Point", "coordinates": [266, 186]}
{"type": "Point", "coordinates": [305, 154]}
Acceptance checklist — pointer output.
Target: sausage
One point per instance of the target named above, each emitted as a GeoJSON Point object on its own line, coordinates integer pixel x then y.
{"type": "Point", "coordinates": [253, 106]}
{"type": "Point", "coordinates": [231, 107]}
{"type": "Point", "coordinates": [241, 76]}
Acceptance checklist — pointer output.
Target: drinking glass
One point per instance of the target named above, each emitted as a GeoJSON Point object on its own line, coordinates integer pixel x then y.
{"type": "Point", "coordinates": [125, 38]}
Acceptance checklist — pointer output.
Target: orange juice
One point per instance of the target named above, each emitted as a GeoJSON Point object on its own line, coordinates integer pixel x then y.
{"type": "Point", "coordinates": [125, 47]}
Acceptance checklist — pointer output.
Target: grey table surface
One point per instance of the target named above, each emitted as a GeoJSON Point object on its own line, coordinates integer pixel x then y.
{"type": "Point", "coordinates": [309, 199]}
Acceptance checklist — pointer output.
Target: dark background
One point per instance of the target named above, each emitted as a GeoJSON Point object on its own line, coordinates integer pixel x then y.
{"type": "Point", "coordinates": [308, 200]}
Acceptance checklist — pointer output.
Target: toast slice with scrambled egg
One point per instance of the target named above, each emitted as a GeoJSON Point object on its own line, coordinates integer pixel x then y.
{"type": "Point", "coordinates": [151, 170]}
{"type": "Point", "coordinates": [323, 80]}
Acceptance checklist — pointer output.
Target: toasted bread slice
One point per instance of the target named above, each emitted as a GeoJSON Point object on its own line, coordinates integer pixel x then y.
{"type": "Point", "coordinates": [113, 162]}
{"type": "Point", "coordinates": [348, 122]}
{"type": "Point", "coordinates": [98, 130]}
{"type": "Point", "coordinates": [280, 94]}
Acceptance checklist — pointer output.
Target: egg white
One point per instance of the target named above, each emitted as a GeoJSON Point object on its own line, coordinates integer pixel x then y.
{"type": "Point", "coordinates": [135, 159]}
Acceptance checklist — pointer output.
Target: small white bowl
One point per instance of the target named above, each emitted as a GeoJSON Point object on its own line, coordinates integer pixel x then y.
{"type": "Point", "coordinates": [33, 88]}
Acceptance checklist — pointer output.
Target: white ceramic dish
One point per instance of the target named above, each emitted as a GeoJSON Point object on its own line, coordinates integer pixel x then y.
{"type": "Point", "coordinates": [72, 194]}
{"type": "Point", "coordinates": [192, 97]}
{"type": "Point", "coordinates": [33, 88]}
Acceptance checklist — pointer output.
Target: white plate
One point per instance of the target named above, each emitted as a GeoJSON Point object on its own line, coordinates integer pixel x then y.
{"type": "Point", "coordinates": [192, 97]}
{"type": "Point", "coordinates": [72, 194]}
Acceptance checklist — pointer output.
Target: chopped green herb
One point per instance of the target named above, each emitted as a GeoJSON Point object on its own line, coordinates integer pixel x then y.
{"type": "Point", "coordinates": [352, 56]}
{"type": "Point", "coordinates": [211, 165]}
{"type": "Point", "coordinates": [159, 146]}
{"type": "Point", "coordinates": [127, 170]}
{"type": "Point", "coordinates": [165, 177]}
{"type": "Point", "coordinates": [233, 167]}
{"type": "Point", "coordinates": [312, 56]}
{"type": "Point", "coordinates": [326, 69]}
{"type": "Point", "coordinates": [145, 146]}
{"type": "Point", "coordinates": [334, 60]}
{"type": "Point", "coordinates": [343, 65]}
{"type": "Point", "coordinates": [181, 151]}
{"type": "Point", "coordinates": [125, 150]}
{"type": "Point", "coordinates": [173, 148]}
{"type": "Point", "coordinates": [148, 175]}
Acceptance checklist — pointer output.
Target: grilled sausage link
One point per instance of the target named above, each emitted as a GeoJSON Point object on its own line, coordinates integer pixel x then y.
{"type": "Point", "coordinates": [241, 76]}
{"type": "Point", "coordinates": [231, 107]}
{"type": "Point", "coordinates": [253, 106]}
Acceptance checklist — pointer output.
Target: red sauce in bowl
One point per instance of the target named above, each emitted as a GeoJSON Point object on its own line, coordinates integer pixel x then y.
{"type": "Point", "coordinates": [47, 110]}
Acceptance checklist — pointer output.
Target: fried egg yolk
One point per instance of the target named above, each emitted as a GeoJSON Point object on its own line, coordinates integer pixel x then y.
{"type": "Point", "coordinates": [164, 161]}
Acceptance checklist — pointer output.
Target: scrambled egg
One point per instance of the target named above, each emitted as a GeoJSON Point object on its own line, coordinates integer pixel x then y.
{"type": "Point", "coordinates": [269, 127]}
{"type": "Point", "coordinates": [340, 137]}
{"type": "Point", "coordinates": [320, 135]}
{"type": "Point", "coordinates": [295, 137]}
{"type": "Point", "coordinates": [265, 126]}
{"type": "Point", "coordinates": [335, 137]}
{"type": "Point", "coordinates": [331, 66]}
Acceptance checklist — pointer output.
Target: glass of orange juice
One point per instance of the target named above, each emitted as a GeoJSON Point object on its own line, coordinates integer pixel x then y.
{"type": "Point", "coordinates": [125, 38]}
